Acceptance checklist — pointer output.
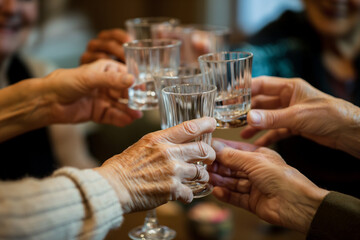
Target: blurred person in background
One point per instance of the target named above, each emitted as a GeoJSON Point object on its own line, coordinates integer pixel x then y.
{"type": "Point", "coordinates": [39, 152]}
{"type": "Point", "coordinates": [86, 204]}
{"type": "Point", "coordinates": [259, 180]}
{"type": "Point", "coordinates": [320, 45]}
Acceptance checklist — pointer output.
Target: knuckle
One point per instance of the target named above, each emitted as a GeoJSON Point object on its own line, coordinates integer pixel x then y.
{"type": "Point", "coordinates": [202, 149]}
{"type": "Point", "coordinates": [229, 154]}
{"type": "Point", "coordinates": [190, 127]}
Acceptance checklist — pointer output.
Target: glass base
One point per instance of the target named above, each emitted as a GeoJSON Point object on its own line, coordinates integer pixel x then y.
{"type": "Point", "coordinates": [241, 121]}
{"type": "Point", "coordinates": [158, 233]}
{"type": "Point", "coordinates": [200, 189]}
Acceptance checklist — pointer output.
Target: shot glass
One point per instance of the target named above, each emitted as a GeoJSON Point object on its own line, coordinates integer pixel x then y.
{"type": "Point", "coordinates": [147, 28]}
{"type": "Point", "coordinates": [197, 40]}
{"type": "Point", "coordinates": [143, 57]}
{"type": "Point", "coordinates": [230, 72]}
{"type": "Point", "coordinates": [168, 77]}
{"type": "Point", "coordinates": [190, 101]}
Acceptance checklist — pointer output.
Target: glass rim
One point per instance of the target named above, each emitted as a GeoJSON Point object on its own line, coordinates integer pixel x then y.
{"type": "Point", "coordinates": [217, 29]}
{"type": "Point", "coordinates": [159, 74]}
{"type": "Point", "coordinates": [173, 43]}
{"type": "Point", "coordinates": [202, 58]}
{"type": "Point", "coordinates": [147, 21]}
{"type": "Point", "coordinates": [166, 91]}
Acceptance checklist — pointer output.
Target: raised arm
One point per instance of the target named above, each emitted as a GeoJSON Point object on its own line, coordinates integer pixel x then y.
{"type": "Point", "coordinates": [87, 93]}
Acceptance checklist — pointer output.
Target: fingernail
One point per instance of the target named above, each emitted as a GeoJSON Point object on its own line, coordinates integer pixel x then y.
{"type": "Point", "coordinates": [218, 146]}
{"type": "Point", "coordinates": [255, 117]}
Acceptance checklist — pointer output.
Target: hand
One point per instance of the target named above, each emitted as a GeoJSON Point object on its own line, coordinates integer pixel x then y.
{"type": "Point", "coordinates": [108, 45]}
{"type": "Point", "coordinates": [90, 92]}
{"type": "Point", "coordinates": [297, 108]}
{"type": "Point", "coordinates": [258, 180]}
{"type": "Point", "coordinates": [150, 172]}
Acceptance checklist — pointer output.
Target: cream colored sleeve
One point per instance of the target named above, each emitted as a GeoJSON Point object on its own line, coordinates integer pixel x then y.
{"type": "Point", "coordinates": [71, 204]}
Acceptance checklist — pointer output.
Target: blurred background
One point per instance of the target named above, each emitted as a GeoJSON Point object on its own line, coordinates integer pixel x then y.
{"type": "Point", "coordinates": [61, 37]}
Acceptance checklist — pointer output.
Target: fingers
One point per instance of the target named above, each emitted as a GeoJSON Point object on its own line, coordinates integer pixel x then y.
{"type": "Point", "coordinates": [270, 119]}
{"type": "Point", "coordinates": [241, 185]}
{"type": "Point", "coordinates": [265, 102]}
{"type": "Point", "coordinates": [192, 152]}
{"type": "Point", "coordinates": [273, 136]}
{"type": "Point", "coordinates": [187, 131]}
{"type": "Point", "coordinates": [109, 79]}
{"type": "Point", "coordinates": [272, 86]}
{"type": "Point", "coordinates": [89, 57]}
{"type": "Point", "coordinates": [218, 144]}
{"type": "Point", "coordinates": [193, 172]}
{"type": "Point", "coordinates": [109, 47]}
{"type": "Point", "coordinates": [236, 160]}
{"type": "Point", "coordinates": [234, 198]}
{"type": "Point", "coordinates": [249, 132]}
{"type": "Point", "coordinates": [118, 35]}
{"type": "Point", "coordinates": [225, 171]}
{"type": "Point", "coordinates": [182, 193]}
{"type": "Point", "coordinates": [114, 113]}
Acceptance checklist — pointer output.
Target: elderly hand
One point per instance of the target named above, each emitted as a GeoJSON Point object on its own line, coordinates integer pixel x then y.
{"type": "Point", "coordinates": [107, 45]}
{"type": "Point", "coordinates": [259, 180]}
{"type": "Point", "coordinates": [151, 172]}
{"type": "Point", "coordinates": [90, 92]}
{"type": "Point", "coordinates": [294, 107]}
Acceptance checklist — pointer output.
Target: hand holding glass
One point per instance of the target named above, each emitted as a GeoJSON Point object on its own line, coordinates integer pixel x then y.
{"type": "Point", "coordinates": [190, 101]}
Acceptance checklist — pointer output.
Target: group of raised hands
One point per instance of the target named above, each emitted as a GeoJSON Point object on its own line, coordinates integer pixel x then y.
{"type": "Point", "coordinates": [150, 172]}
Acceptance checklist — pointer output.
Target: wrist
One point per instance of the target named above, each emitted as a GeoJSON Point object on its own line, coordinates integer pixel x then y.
{"type": "Point", "coordinates": [112, 178]}
{"type": "Point", "coordinates": [301, 202]}
{"type": "Point", "coordinates": [349, 136]}
{"type": "Point", "coordinates": [310, 203]}
{"type": "Point", "coordinates": [22, 108]}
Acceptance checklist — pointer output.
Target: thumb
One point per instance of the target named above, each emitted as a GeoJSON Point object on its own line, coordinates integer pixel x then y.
{"type": "Point", "coordinates": [271, 119]}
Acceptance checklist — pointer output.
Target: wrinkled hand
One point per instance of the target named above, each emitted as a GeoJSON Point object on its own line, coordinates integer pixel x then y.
{"type": "Point", "coordinates": [107, 45]}
{"type": "Point", "coordinates": [259, 180]}
{"type": "Point", "coordinates": [151, 172]}
{"type": "Point", "coordinates": [294, 107]}
{"type": "Point", "coordinates": [90, 93]}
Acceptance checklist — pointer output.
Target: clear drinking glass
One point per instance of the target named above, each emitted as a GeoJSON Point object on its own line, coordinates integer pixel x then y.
{"type": "Point", "coordinates": [143, 57]}
{"type": "Point", "coordinates": [184, 102]}
{"type": "Point", "coordinates": [196, 40]}
{"type": "Point", "coordinates": [146, 28]}
{"type": "Point", "coordinates": [230, 72]}
{"type": "Point", "coordinates": [168, 77]}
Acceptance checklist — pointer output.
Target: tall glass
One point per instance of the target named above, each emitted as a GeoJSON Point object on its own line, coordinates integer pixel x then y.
{"type": "Point", "coordinates": [197, 40]}
{"type": "Point", "coordinates": [230, 72]}
{"type": "Point", "coordinates": [143, 57]}
{"type": "Point", "coordinates": [168, 77]}
{"type": "Point", "coordinates": [146, 28]}
{"type": "Point", "coordinates": [186, 102]}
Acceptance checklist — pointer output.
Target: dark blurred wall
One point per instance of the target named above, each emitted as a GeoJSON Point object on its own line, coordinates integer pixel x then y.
{"type": "Point", "coordinates": [113, 13]}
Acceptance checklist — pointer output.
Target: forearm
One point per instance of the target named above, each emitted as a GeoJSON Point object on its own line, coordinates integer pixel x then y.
{"type": "Point", "coordinates": [71, 204]}
{"type": "Point", "coordinates": [349, 138]}
{"type": "Point", "coordinates": [23, 107]}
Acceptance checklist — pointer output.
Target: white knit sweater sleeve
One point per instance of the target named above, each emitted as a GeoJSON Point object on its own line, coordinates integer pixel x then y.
{"type": "Point", "coordinates": [71, 204]}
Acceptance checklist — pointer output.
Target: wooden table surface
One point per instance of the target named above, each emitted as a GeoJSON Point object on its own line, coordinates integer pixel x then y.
{"type": "Point", "coordinates": [245, 225]}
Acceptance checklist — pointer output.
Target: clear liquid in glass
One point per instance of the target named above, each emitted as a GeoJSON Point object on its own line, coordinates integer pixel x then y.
{"type": "Point", "coordinates": [143, 96]}
{"type": "Point", "coordinates": [231, 108]}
